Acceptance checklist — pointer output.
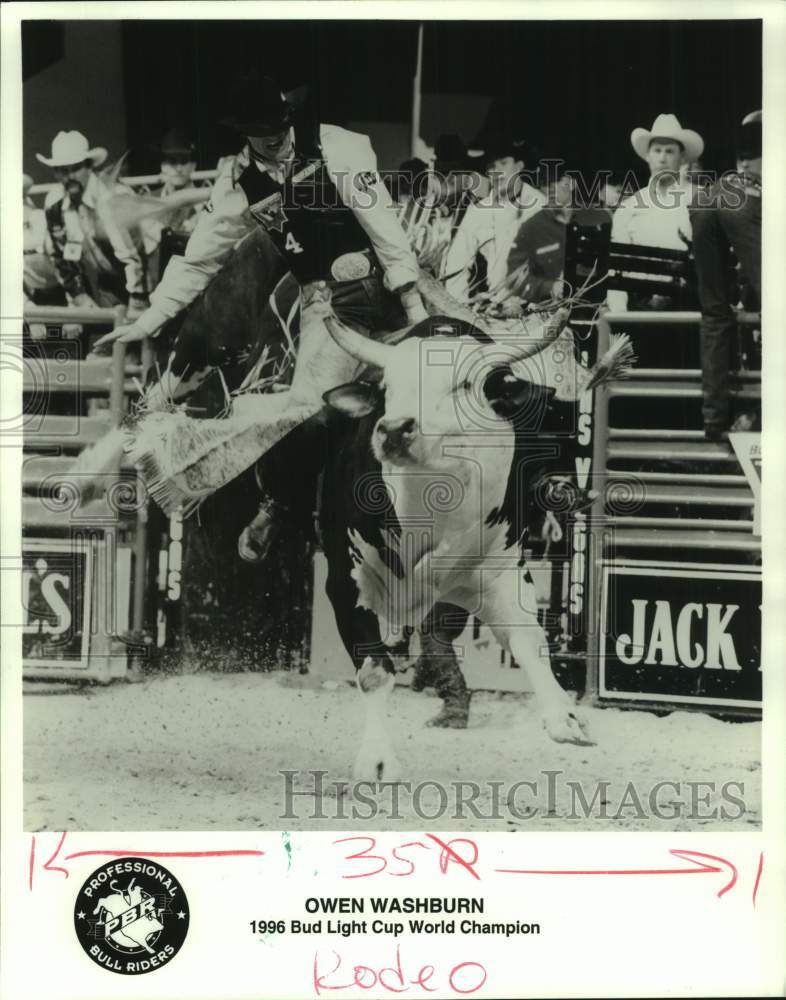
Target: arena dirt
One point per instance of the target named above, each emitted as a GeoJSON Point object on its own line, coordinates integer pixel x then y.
{"type": "Point", "coordinates": [204, 751]}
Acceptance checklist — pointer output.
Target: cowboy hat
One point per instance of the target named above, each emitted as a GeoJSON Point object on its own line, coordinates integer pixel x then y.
{"type": "Point", "coordinates": [69, 148]}
{"type": "Point", "coordinates": [178, 142]}
{"type": "Point", "coordinates": [752, 118]}
{"type": "Point", "coordinates": [668, 127]}
{"type": "Point", "coordinates": [259, 107]}
{"type": "Point", "coordinates": [748, 142]}
{"type": "Point", "coordinates": [450, 153]}
{"type": "Point", "coordinates": [498, 143]}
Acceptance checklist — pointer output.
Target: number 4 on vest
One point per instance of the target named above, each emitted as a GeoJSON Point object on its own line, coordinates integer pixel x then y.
{"type": "Point", "coordinates": [292, 244]}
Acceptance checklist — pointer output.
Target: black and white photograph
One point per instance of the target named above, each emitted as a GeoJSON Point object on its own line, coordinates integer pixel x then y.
{"type": "Point", "coordinates": [392, 597]}
{"type": "Point", "coordinates": [392, 421]}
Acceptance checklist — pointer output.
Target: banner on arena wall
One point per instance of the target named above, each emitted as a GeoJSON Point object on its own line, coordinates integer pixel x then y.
{"type": "Point", "coordinates": [747, 448]}
{"type": "Point", "coordinates": [580, 450]}
{"type": "Point", "coordinates": [75, 602]}
{"type": "Point", "coordinates": [683, 633]}
{"type": "Point", "coordinates": [56, 598]}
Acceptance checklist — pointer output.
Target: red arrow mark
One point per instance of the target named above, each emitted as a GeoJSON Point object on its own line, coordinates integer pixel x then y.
{"type": "Point", "coordinates": [49, 866]}
{"type": "Point", "coordinates": [758, 878]}
{"type": "Point", "coordinates": [702, 868]}
{"type": "Point", "coordinates": [168, 854]}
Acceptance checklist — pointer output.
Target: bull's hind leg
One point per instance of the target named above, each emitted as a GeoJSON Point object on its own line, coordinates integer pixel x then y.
{"type": "Point", "coordinates": [509, 611]}
{"type": "Point", "coordinates": [376, 759]}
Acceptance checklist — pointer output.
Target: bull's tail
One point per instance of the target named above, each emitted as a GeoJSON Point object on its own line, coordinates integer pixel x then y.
{"type": "Point", "coordinates": [183, 461]}
{"type": "Point", "coordinates": [616, 363]}
{"type": "Point", "coordinates": [96, 468]}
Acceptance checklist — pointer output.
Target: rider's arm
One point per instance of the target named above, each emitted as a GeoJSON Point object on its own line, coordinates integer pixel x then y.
{"type": "Point", "coordinates": [352, 164]}
{"type": "Point", "coordinates": [222, 224]}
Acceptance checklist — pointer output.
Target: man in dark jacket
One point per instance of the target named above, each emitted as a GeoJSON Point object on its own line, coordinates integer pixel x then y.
{"type": "Point", "coordinates": [730, 223]}
{"type": "Point", "coordinates": [537, 258]}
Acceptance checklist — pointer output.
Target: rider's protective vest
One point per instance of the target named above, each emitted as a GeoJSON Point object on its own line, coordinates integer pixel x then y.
{"type": "Point", "coordinates": [318, 235]}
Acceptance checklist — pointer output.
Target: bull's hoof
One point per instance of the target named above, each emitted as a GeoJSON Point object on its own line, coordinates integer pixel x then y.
{"type": "Point", "coordinates": [567, 726]}
{"type": "Point", "coordinates": [377, 767]}
{"type": "Point", "coordinates": [452, 715]}
{"type": "Point", "coordinates": [419, 681]}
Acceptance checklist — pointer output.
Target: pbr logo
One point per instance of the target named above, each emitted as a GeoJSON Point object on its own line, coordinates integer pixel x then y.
{"type": "Point", "coordinates": [131, 916]}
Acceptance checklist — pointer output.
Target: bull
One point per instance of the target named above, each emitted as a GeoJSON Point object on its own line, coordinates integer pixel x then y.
{"type": "Point", "coordinates": [419, 512]}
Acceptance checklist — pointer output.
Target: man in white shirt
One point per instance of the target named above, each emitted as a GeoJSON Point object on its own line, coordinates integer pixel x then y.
{"type": "Point", "coordinates": [490, 226]}
{"type": "Point", "coordinates": [658, 215]}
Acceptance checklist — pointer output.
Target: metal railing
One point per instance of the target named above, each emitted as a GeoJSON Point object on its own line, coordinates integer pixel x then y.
{"type": "Point", "coordinates": [111, 377]}
{"type": "Point", "coordinates": [144, 180]}
{"type": "Point", "coordinates": [668, 445]}
{"type": "Point", "coordinates": [637, 532]}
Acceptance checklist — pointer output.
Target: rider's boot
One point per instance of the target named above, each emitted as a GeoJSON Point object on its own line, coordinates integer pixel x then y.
{"type": "Point", "coordinates": [258, 537]}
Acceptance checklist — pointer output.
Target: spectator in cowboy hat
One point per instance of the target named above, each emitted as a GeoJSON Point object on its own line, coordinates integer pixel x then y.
{"type": "Point", "coordinates": [728, 222]}
{"type": "Point", "coordinates": [91, 252]}
{"type": "Point", "coordinates": [657, 215]}
{"type": "Point", "coordinates": [459, 183]}
{"type": "Point", "coordinates": [178, 157]}
{"type": "Point", "coordinates": [487, 231]}
{"type": "Point", "coordinates": [438, 201]}
{"type": "Point", "coordinates": [409, 182]}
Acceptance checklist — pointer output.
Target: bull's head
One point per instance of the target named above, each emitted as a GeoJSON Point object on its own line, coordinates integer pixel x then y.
{"type": "Point", "coordinates": [438, 384]}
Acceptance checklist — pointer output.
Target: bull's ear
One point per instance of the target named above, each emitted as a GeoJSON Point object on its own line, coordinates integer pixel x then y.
{"type": "Point", "coordinates": [510, 396]}
{"type": "Point", "coordinates": [354, 399]}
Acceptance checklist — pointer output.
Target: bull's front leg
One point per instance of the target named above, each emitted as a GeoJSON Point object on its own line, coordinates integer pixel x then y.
{"type": "Point", "coordinates": [510, 612]}
{"type": "Point", "coordinates": [376, 759]}
{"type": "Point", "coordinates": [438, 667]}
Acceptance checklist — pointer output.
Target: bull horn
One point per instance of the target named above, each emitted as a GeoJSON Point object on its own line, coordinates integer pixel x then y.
{"type": "Point", "coordinates": [523, 348]}
{"type": "Point", "coordinates": [317, 308]}
{"type": "Point", "coordinates": [364, 349]}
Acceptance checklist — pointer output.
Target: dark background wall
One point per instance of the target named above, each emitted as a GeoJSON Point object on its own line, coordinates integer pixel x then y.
{"type": "Point", "coordinates": [574, 88]}
{"type": "Point", "coordinates": [73, 80]}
